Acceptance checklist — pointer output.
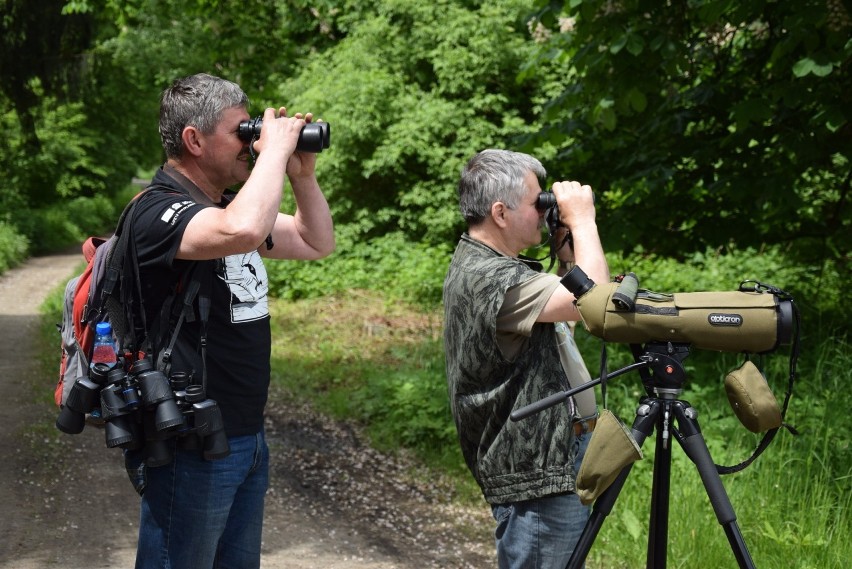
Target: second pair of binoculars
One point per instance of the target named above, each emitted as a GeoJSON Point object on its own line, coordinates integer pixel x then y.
{"type": "Point", "coordinates": [314, 137]}
{"type": "Point", "coordinates": [109, 394]}
{"type": "Point", "coordinates": [141, 408]}
{"type": "Point", "coordinates": [200, 427]}
{"type": "Point", "coordinates": [202, 430]}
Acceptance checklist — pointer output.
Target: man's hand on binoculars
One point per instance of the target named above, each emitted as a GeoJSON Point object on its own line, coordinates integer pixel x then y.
{"type": "Point", "coordinates": [302, 164]}
{"type": "Point", "coordinates": [280, 133]}
{"type": "Point", "coordinates": [576, 204]}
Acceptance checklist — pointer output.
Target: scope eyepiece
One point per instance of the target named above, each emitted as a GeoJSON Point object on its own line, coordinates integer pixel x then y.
{"type": "Point", "coordinates": [786, 319]}
{"type": "Point", "coordinates": [577, 282]}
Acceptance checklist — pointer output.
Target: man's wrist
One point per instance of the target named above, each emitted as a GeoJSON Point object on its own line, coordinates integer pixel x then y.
{"type": "Point", "coordinates": [303, 181]}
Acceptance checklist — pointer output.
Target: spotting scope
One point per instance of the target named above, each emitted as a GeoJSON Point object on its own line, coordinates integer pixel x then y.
{"type": "Point", "coordinates": [752, 321]}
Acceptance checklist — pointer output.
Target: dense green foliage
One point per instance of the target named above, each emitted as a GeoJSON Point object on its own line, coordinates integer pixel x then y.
{"type": "Point", "coordinates": [707, 121]}
{"type": "Point", "coordinates": [404, 270]}
{"type": "Point", "coordinates": [705, 124]}
{"type": "Point", "coordinates": [415, 91]}
{"type": "Point", "coordinates": [74, 117]}
{"type": "Point", "coordinates": [13, 247]}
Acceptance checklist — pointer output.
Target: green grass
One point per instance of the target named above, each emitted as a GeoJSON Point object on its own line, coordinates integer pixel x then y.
{"type": "Point", "coordinates": [791, 511]}
{"type": "Point", "coordinates": [358, 356]}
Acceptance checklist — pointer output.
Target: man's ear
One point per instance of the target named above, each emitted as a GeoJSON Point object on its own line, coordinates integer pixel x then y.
{"type": "Point", "coordinates": [498, 213]}
{"type": "Point", "coordinates": [191, 140]}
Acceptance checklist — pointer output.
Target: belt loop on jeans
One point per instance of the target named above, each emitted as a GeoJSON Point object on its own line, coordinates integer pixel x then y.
{"type": "Point", "coordinates": [585, 425]}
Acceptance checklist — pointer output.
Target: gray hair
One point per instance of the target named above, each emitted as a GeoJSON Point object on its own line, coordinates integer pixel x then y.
{"type": "Point", "coordinates": [199, 101]}
{"type": "Point", "coordinates": [494, 176]}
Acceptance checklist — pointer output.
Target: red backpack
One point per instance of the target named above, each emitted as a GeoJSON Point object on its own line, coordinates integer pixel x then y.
{"type": "Point", "coordinates": [77, 329]}
{"type": "Point", "coordinates": [96, 295]}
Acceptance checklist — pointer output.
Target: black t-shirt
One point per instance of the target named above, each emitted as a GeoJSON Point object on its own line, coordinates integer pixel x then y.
{"type": "Point", "coordinates": [238, 331]}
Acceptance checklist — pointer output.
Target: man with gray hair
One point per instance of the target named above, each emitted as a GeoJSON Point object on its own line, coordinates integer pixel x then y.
{"type": "Point", "coordinates": [201, 512]}
{"type": "Point", "coordinates": [507, 346]}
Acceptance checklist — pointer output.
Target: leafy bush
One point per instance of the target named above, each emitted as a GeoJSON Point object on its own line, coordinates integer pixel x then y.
{"type": "Point", "coordinates": [390, 263]}
{"type": "Point", "coordinates": [57, 189]}
{"type": "Point", "coordinates": [65, 162]}
{"type": "Point", "coordinates": [70, 222]}
{"type": "Point", "coordinates": [14, 247]}
{"type": "Point", "coordinates": [708, 270]}
{"type": "Point", "coordinates": [412, 93]}
{"type": "Point", "coordinates": [408, 405]}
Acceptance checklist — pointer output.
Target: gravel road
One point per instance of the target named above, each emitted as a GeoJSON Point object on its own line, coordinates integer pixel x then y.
{"type": "Point", "coordinates": [334, 503]}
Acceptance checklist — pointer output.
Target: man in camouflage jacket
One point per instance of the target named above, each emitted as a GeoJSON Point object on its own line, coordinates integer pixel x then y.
{"type": "Point", "coordinates": [503, 318]}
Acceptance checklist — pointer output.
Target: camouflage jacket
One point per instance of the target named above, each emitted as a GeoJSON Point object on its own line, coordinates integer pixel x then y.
{"type": "Point", "coordinates": [511, 461]}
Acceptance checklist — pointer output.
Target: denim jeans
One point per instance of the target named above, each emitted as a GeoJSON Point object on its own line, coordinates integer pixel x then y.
{"type": "Point", "coordinates": [541, 533]}
{"type": "Point", "coordinates": [204, 514]}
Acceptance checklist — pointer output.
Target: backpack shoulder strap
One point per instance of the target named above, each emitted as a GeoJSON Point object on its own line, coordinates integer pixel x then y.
{"type": "Point", "coordinates": [121, 287]}
{"type": "Point", "coordinates": [93, 309]}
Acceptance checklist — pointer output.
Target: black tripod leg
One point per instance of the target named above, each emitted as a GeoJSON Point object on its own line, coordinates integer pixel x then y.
{"type": "Point", "coordinates": [693, 444]}
{"type": "Point", "coordinates": [643, 425]}
{"type": "Point", "coordinates": [658, 525]}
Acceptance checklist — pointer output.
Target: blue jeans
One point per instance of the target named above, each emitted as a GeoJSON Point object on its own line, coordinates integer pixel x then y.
{"type": "Point", "coordinates": [204, 514]}
{"type": "Point", "coordinates": [541, 533]}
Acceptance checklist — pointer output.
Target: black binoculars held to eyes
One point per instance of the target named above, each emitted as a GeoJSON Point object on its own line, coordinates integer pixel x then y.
{"type": "Point", "coordinates": [547, 200]}
{"type": "Point", "coordinates": [315, 136]}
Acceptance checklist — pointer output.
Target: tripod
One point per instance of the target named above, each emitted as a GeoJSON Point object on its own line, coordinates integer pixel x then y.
{"type": "Point", "coordinates": [672, 418]}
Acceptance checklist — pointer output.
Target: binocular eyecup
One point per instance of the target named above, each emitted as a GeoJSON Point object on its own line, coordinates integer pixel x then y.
{"type": "Point", "coordinates": [84, 398]}
{"type": "Point", "coordinates": [157, 393]}
{"type": "Point", "coordinates": [545, 201]}
{"type": "Point", "coordinates": [577, 282]}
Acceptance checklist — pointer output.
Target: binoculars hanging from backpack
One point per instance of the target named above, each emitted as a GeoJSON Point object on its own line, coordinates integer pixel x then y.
{"type": "Point", "coordinates": [143, 408]}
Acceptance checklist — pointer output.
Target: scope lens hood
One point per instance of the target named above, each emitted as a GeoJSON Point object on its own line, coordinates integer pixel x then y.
{"type": "Point", "coordinates": [785, 322]}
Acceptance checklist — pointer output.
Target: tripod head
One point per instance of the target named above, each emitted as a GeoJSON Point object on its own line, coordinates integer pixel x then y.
{"type": "Point", "coordinates": [666, 365]}
{"type": "Point", "coordinates": [663, 359]}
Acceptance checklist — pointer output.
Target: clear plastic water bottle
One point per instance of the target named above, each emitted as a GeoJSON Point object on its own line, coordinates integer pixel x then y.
{"type": "Point", "coordinates": [104, 347]}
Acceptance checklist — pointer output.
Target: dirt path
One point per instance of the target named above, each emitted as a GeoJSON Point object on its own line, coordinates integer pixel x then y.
{"type": "Point", "coordinates": [334, 503]}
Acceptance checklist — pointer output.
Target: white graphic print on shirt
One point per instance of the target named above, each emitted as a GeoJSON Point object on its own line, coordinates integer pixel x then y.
{"type": "Point", "coordinates": [245, 276]}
